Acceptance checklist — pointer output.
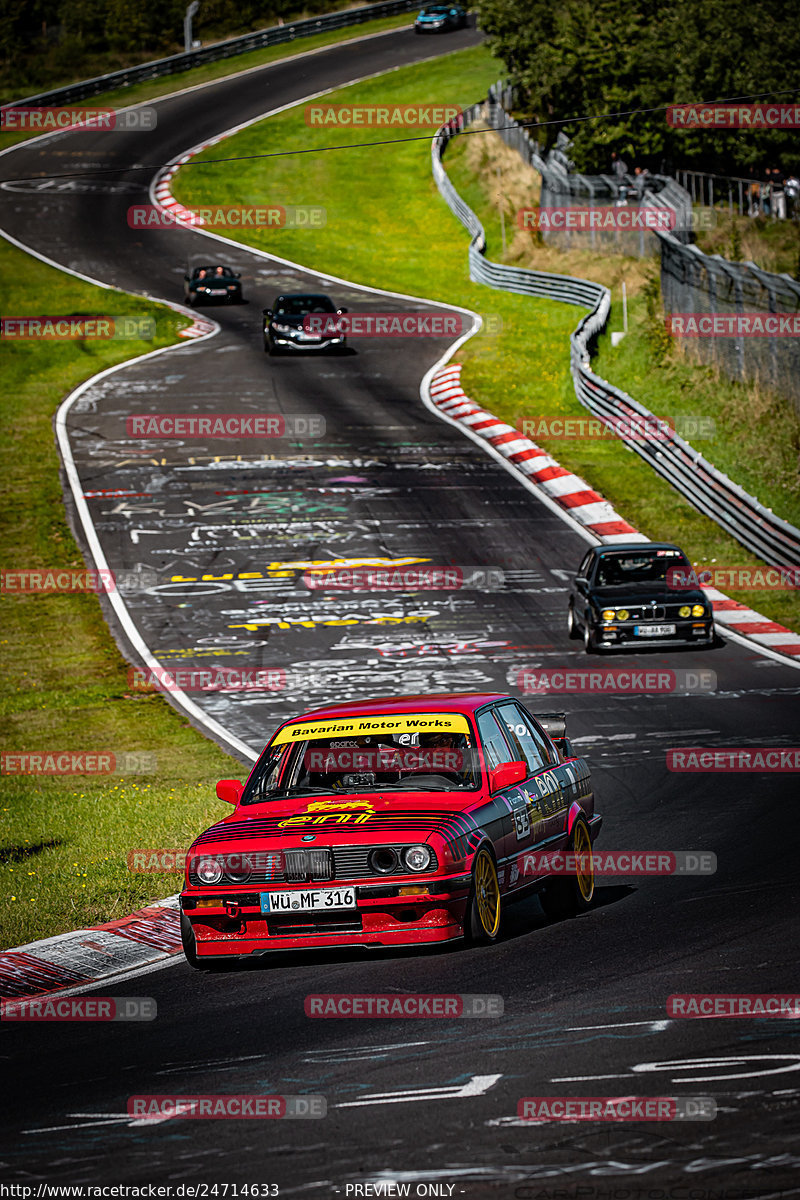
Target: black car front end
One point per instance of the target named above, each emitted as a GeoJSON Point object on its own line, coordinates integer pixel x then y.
{"type": "Point", "coordinates": [302, 322]}
{"type": "Point", "coordinates": [630, 619]}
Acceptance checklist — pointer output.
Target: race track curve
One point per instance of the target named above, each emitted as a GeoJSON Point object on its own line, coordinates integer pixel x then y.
{"type": "Point", "coordinates": [418, 1101]}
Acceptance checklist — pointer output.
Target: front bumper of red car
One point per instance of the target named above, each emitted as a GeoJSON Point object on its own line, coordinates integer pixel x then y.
{"type": "Point", "coordinates": [232, 924]}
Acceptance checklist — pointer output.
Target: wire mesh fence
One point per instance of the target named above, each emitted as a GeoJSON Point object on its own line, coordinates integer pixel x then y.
{"type": "Point", "coordinates": [606, 213]}
{"type": "Point", "coordinates": [757, 346]}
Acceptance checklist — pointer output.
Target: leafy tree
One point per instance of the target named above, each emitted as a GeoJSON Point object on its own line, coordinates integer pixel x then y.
{"type": "Point", "coordinates": [583, 67]}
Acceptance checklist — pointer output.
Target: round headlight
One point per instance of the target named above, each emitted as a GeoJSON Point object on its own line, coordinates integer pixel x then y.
{"type": "Point", "coordinates": [209, 870]}
{"type": "Point", "coordinates": [608, 614]}
{"type": "Point", "coordinates": [417, 858]}
{"type": "Point", "coordinates": [383, 860]}
{"type": "Point", "coordinates": [238, 868]}
{"type": "Point", "coordinates": [685, 610]}
{"type": "Point", "coordinates": [622, 614]}
{"type": "Point", "coordinates": [698, 610]}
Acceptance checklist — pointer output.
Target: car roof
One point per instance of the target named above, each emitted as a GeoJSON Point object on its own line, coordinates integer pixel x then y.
{"type": "Point", "coordinates": [634, 546]}
{"type": "Point", "coordinates": [460, 702]}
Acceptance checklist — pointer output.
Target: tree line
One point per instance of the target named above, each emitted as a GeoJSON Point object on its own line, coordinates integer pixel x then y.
{"type": "Point", "coordinates": [581, 66]}
{"type": "Point", "coordinates": [44, 43]}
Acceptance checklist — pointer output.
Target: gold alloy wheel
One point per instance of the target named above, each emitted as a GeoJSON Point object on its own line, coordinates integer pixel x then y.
{"type": "Point", "coordinates": [584, 864]}
{"type": "Point", "coordinates": [487, 893]}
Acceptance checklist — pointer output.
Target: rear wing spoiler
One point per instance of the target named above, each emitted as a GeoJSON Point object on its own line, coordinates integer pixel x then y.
{"type": "Point", "coordinates": [555, 726]}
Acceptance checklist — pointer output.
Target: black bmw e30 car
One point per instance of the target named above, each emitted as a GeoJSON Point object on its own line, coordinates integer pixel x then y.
{"type": "Point", "coordinates": [635, 594]}
{"type": "Point", "coordinates": [287, 327]}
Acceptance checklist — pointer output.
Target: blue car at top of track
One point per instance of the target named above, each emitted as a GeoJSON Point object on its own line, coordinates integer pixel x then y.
{"type": "Point", "coordinates": [439, 18]}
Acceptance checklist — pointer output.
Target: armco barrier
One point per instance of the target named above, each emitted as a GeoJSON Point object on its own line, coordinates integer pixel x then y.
{"type": "Point", "coordinates": [756, 527]}
{"type": "Point", "coordinates": [261, 38]}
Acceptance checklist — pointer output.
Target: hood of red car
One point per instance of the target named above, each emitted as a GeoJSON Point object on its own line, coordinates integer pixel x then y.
{"type": "Point", "coordinates": [366, 817]}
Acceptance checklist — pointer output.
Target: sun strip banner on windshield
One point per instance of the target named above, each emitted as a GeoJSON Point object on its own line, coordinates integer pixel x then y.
{"type": "Point", "coordinates": [366, 726]}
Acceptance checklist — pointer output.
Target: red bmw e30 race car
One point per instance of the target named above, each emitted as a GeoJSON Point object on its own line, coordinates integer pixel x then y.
{"type": "Point", "coordinates": [392, 822]}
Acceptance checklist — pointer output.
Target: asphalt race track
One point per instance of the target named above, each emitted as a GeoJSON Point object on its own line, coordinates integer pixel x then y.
{"type": "Point", "coordinates": [423, 1102]}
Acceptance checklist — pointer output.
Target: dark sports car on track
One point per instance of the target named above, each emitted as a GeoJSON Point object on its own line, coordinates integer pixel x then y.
{"type": "Point", "coordinates": [302, 321]}
{"type": "Point", "coordinates": [439, 18]}
{"type": "Point", "coordinates": [394, 822]}
{"type": "Point", "coordinates": [212, 284]}
{"type": "Point", "coordinates": [635, 594]}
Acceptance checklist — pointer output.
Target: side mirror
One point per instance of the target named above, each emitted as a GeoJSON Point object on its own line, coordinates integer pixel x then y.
{"type": "Point", "coordinates": [341, 310]}
{"type": "Point", "coordinates": [267, 312]}
{"type": "Point", "coordinates": [506, 774]}
{"type": "Point", "coordinates": [230, 790]}
{"type": "Point", "coordinates": [564, 746]}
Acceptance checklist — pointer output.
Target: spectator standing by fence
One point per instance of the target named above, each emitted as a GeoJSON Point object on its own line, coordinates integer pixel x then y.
{"type": "Point", "coordinates": [778, 195]}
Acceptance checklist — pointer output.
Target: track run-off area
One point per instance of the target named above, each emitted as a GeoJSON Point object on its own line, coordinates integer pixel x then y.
{"type": "Point", "coordinates": [229, 531]}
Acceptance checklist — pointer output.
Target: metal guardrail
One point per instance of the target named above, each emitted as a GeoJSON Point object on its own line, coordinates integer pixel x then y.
{"type": "Point", "coordinates": [275, 35]}
{"type": "Point", "coordinates": [741, 515]}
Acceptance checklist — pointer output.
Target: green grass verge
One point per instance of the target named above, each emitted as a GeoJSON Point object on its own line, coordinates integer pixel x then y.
{"type": "Point", "coordinates": [388, 227]}
{"type": "Point", "coordinates": [153, 88]}
{"type": "Point", "coordinates": [64, 840]}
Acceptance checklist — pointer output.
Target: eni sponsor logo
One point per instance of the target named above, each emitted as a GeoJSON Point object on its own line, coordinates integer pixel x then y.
{"type": "Point", "coordinates": [335, 812]}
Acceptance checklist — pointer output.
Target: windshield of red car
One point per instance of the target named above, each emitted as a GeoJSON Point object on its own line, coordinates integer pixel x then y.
{"type": "Point", "coordinates": [399, 759]}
